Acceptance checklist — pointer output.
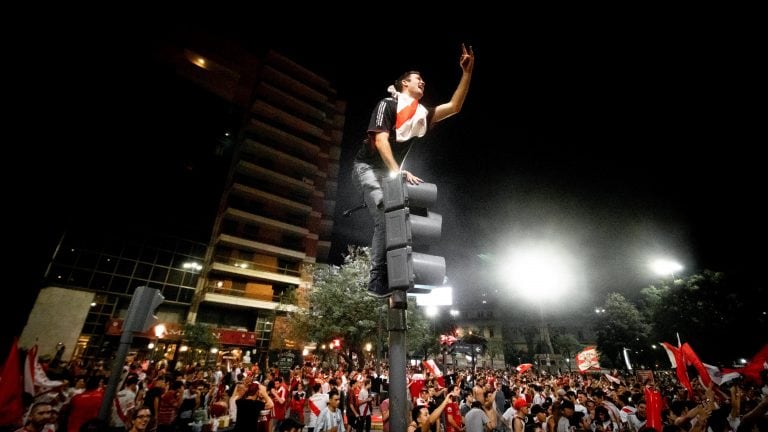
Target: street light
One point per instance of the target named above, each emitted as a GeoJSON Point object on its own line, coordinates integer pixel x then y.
{"type": "Point", "coordinates": [665, 267]}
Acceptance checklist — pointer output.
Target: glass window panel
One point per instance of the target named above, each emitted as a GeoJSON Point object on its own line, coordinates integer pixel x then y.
{"type": "Point", "coordinates": [79, 277]}
{"type": "Point", "coordinates": [159, 274]}
{"type": "Point", "coordinates": [119, 285]}
{"type": "Point", "coordinates": [125, 267]}
{"type": "Point", "coordinates": [164, 258]}
{"type": "Point", "coordinates": [107, 264]}
{"type": "Point", "coordinates": [100, 281]}
{"type": "Point", "coordinates": [186, 295]}
{"type": "Point", "coordinates": [175, 277]}
{"type": "Point", "coordinates": [142, 271]}
{"type": "Point", "coordinates": [171, 293]}
{"type": "Point", "coordinates": [88, 260]}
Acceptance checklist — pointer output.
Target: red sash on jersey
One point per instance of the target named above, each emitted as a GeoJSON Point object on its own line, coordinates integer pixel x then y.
{"type": "Point", "coordinates": [312, 407]}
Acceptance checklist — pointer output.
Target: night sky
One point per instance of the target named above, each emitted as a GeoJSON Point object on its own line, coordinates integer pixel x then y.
{"type": "Point", "coordinates": [615, 144]}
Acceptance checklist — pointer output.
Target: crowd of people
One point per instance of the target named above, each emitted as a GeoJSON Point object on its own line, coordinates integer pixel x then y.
{"type": "Point", "coordinates": [247, 399]}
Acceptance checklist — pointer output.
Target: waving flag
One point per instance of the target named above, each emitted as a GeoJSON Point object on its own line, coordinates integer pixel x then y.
{"type": "Point", "coordinates": [523, 367]}
{"type": "Point", "coordinates": [718, 377]}
{"type": "Point", "coordinates": [447, 339]}
{"type": "Point", "coordinates": [691, 358]}
{"type": "Point", "coordinates": [677, 360]}
{"type": "Point", "coordinates": [752, 370]}
{"type": "Point", "coordinates": [35, 379]}
{"type": "Point", "coordinates": [11, 408]}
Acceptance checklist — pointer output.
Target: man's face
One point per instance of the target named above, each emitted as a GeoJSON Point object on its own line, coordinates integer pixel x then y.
{"type": "Point", "coordinates": [414, 86]}
{"type": "Point", "coordinates": [142, 419]}
{"type": "Point", "coordinates": [641, 409]}
{"type": "Point", "coordinates": [41, 415]}
{"type": "Point", "coordinates": [334, 401]}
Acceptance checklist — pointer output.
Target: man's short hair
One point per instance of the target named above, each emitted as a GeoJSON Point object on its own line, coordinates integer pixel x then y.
{"type": "Point", "coordinates": [405, 76]}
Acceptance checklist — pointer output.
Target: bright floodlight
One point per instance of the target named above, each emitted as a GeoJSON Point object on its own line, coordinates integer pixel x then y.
{"type": "Point", "coordinates": [666, 267]}
{"type": "Point", "coordinates": [540, 272]}
{"type": "Point", "coordinates": [431, 311]}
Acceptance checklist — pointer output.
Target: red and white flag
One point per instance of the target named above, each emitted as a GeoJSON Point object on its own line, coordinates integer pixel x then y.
{"type": "Point", "coordinates": [447, 339]}
{"type": "Point", "coordinates": [35, 379]}
{"type": "Point", "coordinates": [678, 362]}
{"type": "Point", "coordinates": [588, 359]}
{"type": "Point", "coordinates": [612, 378]}
{"type": "Point", "coordinates": [523, 367]}
{"type": "Point", "coordinates": [432, 367]}
{"type": "Point", "coordinates": [717, 376]}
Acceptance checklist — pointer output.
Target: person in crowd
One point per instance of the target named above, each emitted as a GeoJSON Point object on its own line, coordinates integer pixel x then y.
{"type": "Point", "coordinates": [422, 419]}
{"type": "Point", "coordinates": [39, 416]}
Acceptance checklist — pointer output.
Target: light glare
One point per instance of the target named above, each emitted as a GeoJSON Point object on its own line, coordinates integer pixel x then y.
{"type": "Point", "coordinates": [665, 267]}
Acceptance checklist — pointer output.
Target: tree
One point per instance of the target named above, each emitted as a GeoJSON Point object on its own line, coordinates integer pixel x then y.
{"type": "Point", "coordinates": [707, 309]}
{"type": "Point", "coordinates": [420, 337]}
{"type": "Point", "coordinates": [495, 348]}
{"type": "Point", "coordinates": [621, 326]}
{"type": "Point", "coordinates": [341, 308]}
{"type": "Point", "coordinates": [199, 337]}
{"type": "Point", "coordinates": [567, 345]}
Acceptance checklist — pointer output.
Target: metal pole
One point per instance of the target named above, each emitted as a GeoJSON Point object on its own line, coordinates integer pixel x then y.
{"type": "Point", "coordinates": [114, 377]}
{"type": "Point", "coordinates": [398, 403]}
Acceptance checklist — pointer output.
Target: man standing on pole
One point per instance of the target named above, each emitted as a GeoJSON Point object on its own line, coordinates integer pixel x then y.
{"type": "Point", "coordinates": [396, 124]}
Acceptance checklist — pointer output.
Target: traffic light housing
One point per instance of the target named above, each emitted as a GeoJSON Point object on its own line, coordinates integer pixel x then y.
{"type": "Point", "coordinates": [409, 226]}
{"type": "Point", "coordinates": [141, 312]}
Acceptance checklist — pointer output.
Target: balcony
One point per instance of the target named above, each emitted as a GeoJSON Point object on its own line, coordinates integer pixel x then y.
{"type": "Point", "coordinates": [258, 299]}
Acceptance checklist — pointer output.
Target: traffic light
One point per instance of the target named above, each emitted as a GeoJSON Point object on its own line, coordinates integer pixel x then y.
{"type": "Point", "coordinates": [140, 317]}
{"type": "Point", "coordinates": [410, 225]}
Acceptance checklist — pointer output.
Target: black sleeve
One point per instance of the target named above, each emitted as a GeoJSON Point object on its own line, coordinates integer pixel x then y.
{"type": "Point", "coordinates": [383, 116]}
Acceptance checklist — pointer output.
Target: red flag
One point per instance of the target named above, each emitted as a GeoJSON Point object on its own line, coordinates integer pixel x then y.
{"type": "Point", "coordinates": [11, 408]}
{"type": "Point", "coordinates": [678, 362]}
{"type": "Point", "coordinates": [751, 371]}
{"type": "Point", "coordinates": [653, 405]}
{"type": "Point", "coordinates": [692, 358]}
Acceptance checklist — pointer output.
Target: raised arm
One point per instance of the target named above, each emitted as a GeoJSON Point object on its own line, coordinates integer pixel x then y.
{"type": "Point", "coordinates": [467, 63]}
{"type": "Point", "coordinates": [435, 415]}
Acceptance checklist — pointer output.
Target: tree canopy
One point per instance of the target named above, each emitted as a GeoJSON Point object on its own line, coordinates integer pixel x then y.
{"type": "Point", "coordinates": [341, 308]}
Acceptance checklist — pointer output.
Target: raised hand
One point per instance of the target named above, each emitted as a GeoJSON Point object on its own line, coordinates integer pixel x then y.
{"type": "Point", "coordinates": [467, 59]}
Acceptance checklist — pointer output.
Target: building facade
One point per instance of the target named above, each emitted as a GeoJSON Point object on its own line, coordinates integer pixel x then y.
{"type": "Point", "coordinates": [273, 222]}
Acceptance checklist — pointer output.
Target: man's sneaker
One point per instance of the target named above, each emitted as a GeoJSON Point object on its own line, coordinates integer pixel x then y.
{"type": "Point", "coordinates": [378, 287]}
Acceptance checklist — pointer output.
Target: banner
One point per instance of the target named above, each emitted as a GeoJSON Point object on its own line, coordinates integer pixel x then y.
{"type": "Point", "coordinates": [645, 376]}
{"type": "Point", "coordinates": [588, 359]}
